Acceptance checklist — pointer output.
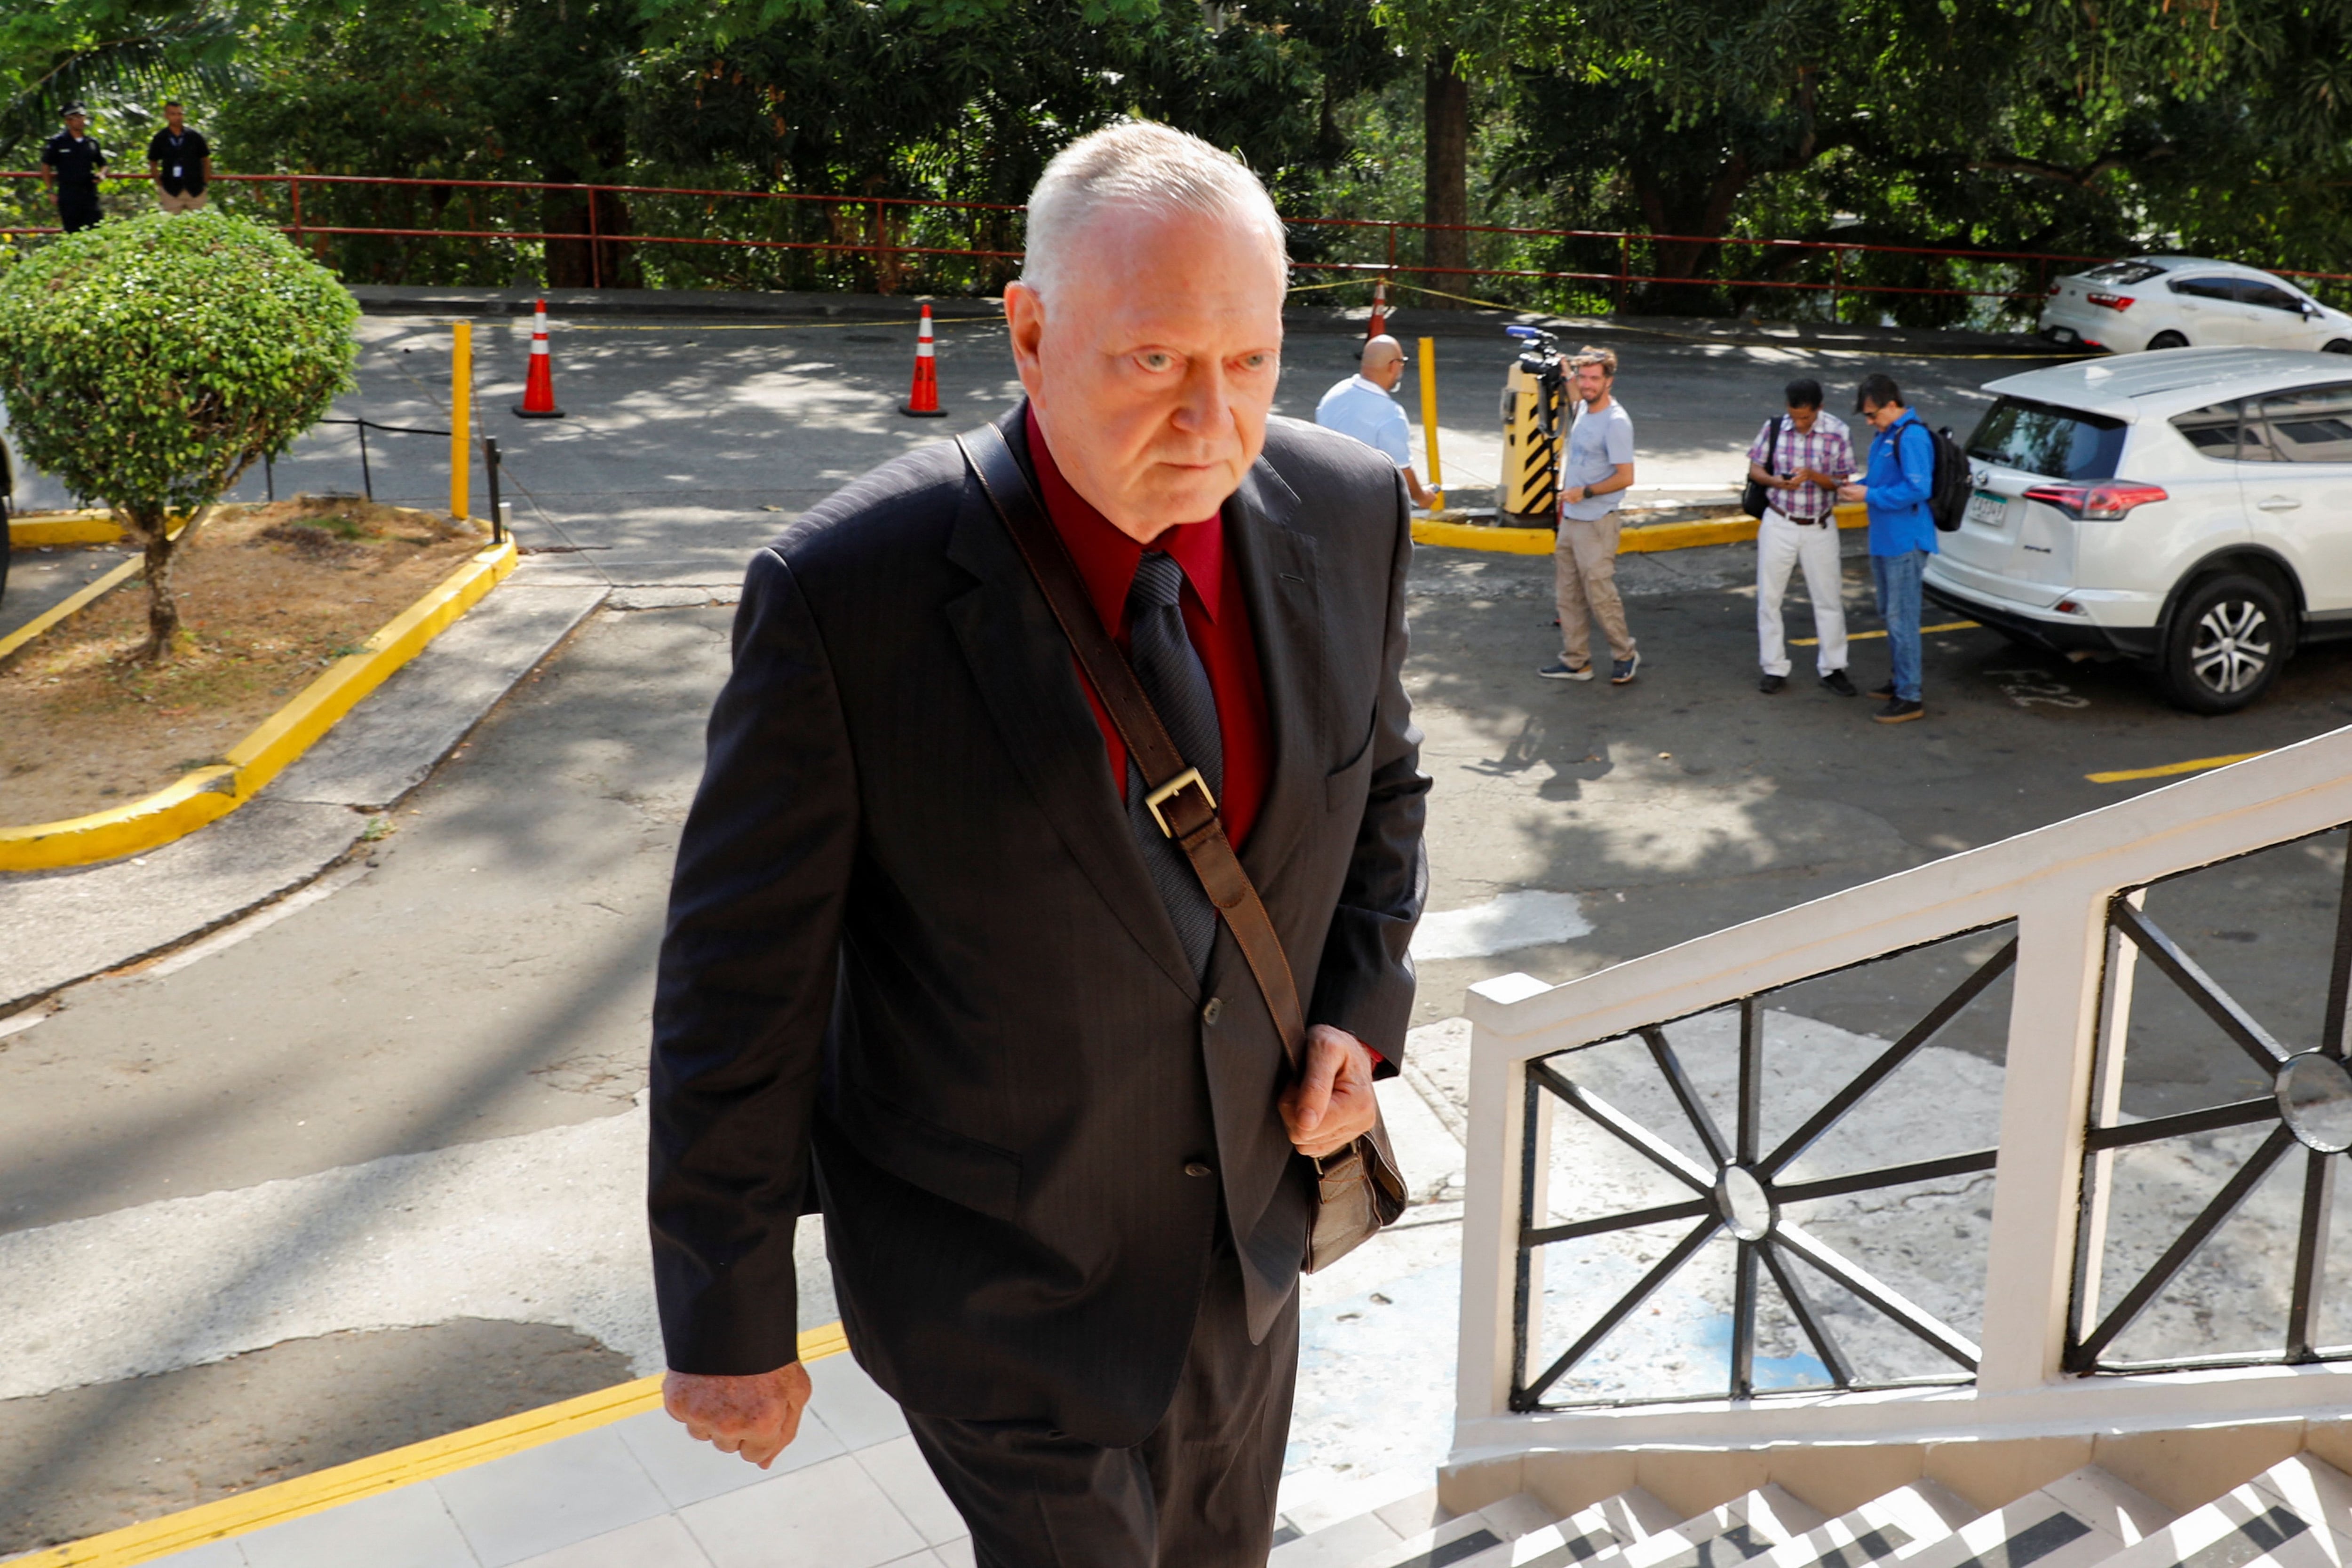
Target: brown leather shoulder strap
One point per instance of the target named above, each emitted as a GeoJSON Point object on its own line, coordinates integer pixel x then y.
{"type": "Point", "coordinates": [1179, 797]}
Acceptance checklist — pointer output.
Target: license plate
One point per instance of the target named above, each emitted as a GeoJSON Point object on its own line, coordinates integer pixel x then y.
{"type": "Point", "coordinates": [1988, 508]}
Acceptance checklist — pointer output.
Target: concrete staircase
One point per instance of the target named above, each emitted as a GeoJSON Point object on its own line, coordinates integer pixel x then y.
{"type": "Point", "coordinates": [2295, 1514]}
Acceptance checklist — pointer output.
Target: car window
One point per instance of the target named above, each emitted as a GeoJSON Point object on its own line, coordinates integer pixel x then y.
{"type": "Point", "coordinates": [2205, 288]}
{"type": "Point", "coordinates": [2269, 296]}
{"type": "Point", "coordinates": [2042, 438]}
{"type": "Point", "coordinates": [2312, 425]}
{"type": "Point", "coordinates": [2221, 430]}
{"type": "Point", "coordinates": [2122, 272]}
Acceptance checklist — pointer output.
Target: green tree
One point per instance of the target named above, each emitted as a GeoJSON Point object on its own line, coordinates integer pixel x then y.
{"type": "Point", "coordinates": [150, 362]}
{"type": "Point", "coordinates": [1457, 42]}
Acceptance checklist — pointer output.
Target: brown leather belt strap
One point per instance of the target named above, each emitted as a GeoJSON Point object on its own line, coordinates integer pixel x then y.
{"type": "Point", "coordinates": [1179, 797]}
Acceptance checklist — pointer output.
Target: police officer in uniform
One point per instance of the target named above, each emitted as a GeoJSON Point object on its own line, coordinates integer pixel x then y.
{"type": "Point", "coordinates": [69, 165]}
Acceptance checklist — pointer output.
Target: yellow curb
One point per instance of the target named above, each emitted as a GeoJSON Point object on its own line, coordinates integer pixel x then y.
{"type": "Point", "coordinates": [208, 793]}
{"type": "Point", "coordinates": [315, 1493]}
{"type": "Point", "coordinates": [97, 528]}
{"type": "Point", "coordinates": [1470, 535]}
{"type": "Point", "coordinates": [1631, 541]}
{"type": "Point", "coordinates": [71, 607]}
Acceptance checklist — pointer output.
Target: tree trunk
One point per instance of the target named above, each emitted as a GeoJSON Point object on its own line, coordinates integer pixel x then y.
{"type": "Point", "coordinates": [592, 254]}
{"type": "Point", "coordinates": [1445, 179]}
{"type": "Point", "coordinates": [153, 528]}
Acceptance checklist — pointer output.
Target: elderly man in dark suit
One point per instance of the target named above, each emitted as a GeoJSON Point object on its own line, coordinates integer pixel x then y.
{"type": "Point", "coordinates": [931, 956]}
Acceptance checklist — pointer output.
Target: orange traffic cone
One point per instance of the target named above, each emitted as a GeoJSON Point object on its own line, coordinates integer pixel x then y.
{"type": "Point", "coordinates": [1379, 322]}
{"type": "Point", "coordinates": [923, 401]}
{"type": "Point", "coordinates": [538, 388]}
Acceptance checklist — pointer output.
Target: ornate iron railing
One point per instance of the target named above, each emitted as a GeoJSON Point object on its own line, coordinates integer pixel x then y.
{"type": "Point", "coordinates": [1745, 1190]}
{"type": "Point", "coordinates": [1651, 1108]}
{"type": "Point", "coordinates": [2308, 1108]}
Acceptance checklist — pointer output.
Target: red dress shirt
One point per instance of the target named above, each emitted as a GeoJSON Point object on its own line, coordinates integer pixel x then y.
{"type": "Point", "coordinates": [1215, 614]}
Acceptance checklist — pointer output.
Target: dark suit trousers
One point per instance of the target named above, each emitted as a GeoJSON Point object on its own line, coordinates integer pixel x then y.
{"type": "Point", "coordinates": [1197, 1493]}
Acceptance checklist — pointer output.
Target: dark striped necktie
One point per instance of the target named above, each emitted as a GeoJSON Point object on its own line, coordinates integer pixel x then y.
{"type": "Point", "coordinates": [1174, 679]}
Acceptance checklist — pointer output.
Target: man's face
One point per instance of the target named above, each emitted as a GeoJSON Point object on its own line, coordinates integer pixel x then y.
{"type": "Point", "coordinates": [1153, 368]}
{"type": "Point", "coordinates": [1881, 414]}
{"type": "Point", "coordinates": [1591, 383]}
{"type": "Point", "coordinates": [74, 123]}
{"type": "Point", "coordinates": [175, 116]}
{"type": "Point", "coordinates": [1386, 372]}
{"type": "Point", "coordinates": [1802, 416]}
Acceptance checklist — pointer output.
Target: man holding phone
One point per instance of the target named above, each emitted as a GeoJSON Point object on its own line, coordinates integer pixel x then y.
{"type": "Point", "coordinates": [1800, 459]}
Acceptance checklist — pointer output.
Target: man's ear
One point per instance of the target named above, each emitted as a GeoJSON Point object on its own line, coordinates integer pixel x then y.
{"type": "Point", "coordinates": [1025, 316]}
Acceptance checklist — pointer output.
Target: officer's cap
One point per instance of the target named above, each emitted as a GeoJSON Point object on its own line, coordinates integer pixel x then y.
{"type": "Point", "coordinates": [73, 109]}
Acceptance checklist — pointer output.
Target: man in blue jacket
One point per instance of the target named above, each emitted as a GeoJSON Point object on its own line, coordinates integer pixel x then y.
{"type": "Point", "coordinates": [1900, 478]}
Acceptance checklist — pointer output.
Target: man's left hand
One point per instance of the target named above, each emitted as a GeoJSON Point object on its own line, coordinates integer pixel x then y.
{"type": "Point", "coordinates": [1331, 1106]}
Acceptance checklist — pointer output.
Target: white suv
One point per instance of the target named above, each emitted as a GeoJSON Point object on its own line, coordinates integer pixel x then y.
{"type": "Point", "coordinates": [2191, 510]}
{"type": "Point", "coordinates": [2187, 302]}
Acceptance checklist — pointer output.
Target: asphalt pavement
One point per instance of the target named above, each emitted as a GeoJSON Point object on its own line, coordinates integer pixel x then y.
{"type": "Point", "coordinates": [334, 1098]}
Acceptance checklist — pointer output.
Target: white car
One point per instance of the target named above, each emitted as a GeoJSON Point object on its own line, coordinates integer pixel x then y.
{"type": "Point", "coordinates": [2185, 302]}
{"type": "Point", "coordinates": [2191, 510]}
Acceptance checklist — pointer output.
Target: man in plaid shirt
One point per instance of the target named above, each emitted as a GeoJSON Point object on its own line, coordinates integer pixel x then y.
{"type": "Point", "coordinates": [1801, 471]}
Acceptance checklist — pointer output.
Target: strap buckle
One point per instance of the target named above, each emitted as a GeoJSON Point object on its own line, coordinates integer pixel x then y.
{"type": "Point", "coordinates": [1191, 777]}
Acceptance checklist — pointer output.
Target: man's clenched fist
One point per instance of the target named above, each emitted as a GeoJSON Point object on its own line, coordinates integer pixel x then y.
{"type": "Point", "coordinates": [1331, 1104]}
{"type": "Point", "coordinates": [755, 1416]}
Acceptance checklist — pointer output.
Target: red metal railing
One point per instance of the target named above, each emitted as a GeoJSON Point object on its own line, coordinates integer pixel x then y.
{"type": "Point", "coordinates": [887, 253]}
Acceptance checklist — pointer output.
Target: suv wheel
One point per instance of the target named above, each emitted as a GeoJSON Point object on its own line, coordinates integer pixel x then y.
{"type": "Point", "coordinates": [2167, 341]}
{"type": "Point", "coordinates": [2336, 346]}
{"type": "Point", "coordinates": [2226, 644]}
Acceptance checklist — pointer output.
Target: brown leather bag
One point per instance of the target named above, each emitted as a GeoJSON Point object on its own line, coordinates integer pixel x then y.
{"type": "Point", "coordinates": [1360, 1188]}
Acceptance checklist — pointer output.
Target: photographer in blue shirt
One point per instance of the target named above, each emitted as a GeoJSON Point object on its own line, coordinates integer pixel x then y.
{"type": "Point", "coordinates": [1896, 488]}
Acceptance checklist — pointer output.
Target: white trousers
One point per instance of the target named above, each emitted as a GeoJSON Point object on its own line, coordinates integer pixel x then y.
{"type": "Point", "coordinates": [1780, 544]}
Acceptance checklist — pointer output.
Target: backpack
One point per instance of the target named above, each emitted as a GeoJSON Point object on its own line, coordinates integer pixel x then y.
{"type": "Point", "coordinates": [1754, 498]}
{"type": "Point", "coordinates": [1947, 492]}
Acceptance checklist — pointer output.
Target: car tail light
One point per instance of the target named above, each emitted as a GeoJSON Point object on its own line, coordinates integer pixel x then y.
{"type": "Point", "coordinates": [2101, 503]}
{"type": "Point", "coordinates": [2111, 302]}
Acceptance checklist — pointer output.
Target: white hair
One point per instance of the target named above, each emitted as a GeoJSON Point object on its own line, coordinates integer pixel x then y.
{"type": "Point", "coordinates": [1139, 166]}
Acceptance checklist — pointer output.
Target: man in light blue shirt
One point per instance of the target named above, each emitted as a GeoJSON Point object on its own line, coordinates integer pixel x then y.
{"type": "Point", "coordinates": [1595, 471]}
{"type": "Point", "coordinates": [1363, 407]}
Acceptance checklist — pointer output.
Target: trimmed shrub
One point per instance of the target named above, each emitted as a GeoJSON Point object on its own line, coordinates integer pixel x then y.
{"type": "Point", "coordinates": [149, 363]}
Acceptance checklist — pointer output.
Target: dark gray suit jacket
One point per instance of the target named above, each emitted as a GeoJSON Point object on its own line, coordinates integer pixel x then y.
{"type": "Point", "coordinates": [911, 932]}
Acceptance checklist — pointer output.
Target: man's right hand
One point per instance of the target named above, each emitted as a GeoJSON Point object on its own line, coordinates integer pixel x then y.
{"type": "Point", "coordinates": [756, 1416]}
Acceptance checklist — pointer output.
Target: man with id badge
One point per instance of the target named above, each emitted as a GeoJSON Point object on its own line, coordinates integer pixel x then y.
{"type": "Point", "coordinates": [181, 163]}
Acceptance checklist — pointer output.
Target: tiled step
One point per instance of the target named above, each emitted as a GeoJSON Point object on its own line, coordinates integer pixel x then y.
{"type": "Point", "coordinates": [1339, 1524]}
{"type": "Point", "coordinates": [1626, 1520]}
{"type": "Point", "coordinates": [1466, 1539]}
{"type": "Point", "coordinates": [1887, 1527]}
{"type": "Point", "coordinates": [2075, 1522]}
{"type": "Point", "coordinates": [2297, 1514]}
{"type": "Point", "coordinates": [1747, 1526]}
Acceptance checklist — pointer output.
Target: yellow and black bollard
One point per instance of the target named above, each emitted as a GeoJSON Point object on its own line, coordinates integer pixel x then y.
{"type": "Point", "coordinates": [1534, 403]}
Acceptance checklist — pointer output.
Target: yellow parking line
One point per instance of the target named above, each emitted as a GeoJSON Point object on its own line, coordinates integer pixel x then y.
{"type": "Point", "coordinates": [1865, 636]}
{"type": "Point", "coordinates": [2127, 775]}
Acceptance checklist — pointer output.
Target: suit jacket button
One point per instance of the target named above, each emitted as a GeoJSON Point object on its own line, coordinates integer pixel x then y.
{"type": "Point", "coordinates": [1213, 1009]}
{"type": "Point", "coordinates": [1197, 1167]}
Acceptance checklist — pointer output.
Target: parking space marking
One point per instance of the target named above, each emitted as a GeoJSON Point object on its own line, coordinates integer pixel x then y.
{"type": "Point", "coordinates": [1865, 636]}
{"type": "Point", "coordinates": [2026, 687]}
{"type": "Point", "coordinates": [2200, 764]}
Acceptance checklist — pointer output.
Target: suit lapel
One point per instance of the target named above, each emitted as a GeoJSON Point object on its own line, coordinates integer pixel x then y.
{"type": "Point", "coordinates": [1030, 685]}
{"type": "Point", "coordinates": [1278, 574]}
